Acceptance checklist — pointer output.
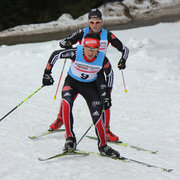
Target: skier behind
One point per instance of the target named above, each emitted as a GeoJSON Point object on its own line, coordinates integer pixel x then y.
{"type": "Point", "coordinates": [87, 61]}
{"type": "Point", "coordinates": [95, 25]}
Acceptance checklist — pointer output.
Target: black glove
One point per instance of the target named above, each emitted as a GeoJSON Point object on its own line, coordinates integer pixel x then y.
{"type": "Point", "coordinates": [122, 64]}
{"type": "Point", "coordinates": [107, 100]}
{"type": "Point", "coordinates": [47, 80]}
{"type": "Point", "coordinates": [107, 103]}
{"type": "Point", "coordinates": [66, 44]}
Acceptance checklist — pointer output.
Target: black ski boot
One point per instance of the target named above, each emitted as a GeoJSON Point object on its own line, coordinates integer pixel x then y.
{"type": "Point", "coordinates": [70, 144]}
{"type": "Point", "coordinates": [108, 151]}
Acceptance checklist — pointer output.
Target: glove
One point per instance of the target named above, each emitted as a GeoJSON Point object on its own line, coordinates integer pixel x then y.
{"type": "Point", "coordinates": [66, 44]}
{"type": "Point", "coordinates": [47, 80]}
{"type": "Point", "coordinates": [107, 103]}
{"type": "Point", "coordinates": [107, 100]}
{"type": "Point", "coordinates": [122, 64]}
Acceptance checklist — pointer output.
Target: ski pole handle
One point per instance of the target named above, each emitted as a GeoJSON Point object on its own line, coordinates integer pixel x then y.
{"type": "Point", "coordinates": [124, 81]}
{"type": "Point", "coordinates": [60, 79]}
{"type": "Point", "coordinates": [21, 103]}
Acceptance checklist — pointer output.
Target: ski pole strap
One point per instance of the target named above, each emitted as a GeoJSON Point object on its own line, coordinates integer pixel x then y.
{"type": "Point", "coordinates": [21, 103]}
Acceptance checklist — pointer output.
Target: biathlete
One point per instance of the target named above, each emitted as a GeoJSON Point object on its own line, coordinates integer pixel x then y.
{"type": "Point", "coordinates": [87, 62]}
{"type": "Point", "coordinates": [106, 37]}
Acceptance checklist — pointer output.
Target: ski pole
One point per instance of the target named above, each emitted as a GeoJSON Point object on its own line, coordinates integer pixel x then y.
{"type": "Point", "coordinates": [124, 81]}
{"type": "Point", "coordinates": [21, 103]}
{"type": "Point", "coordinates": [84, 134]}
{"type": "Point", "coordinates": [60, 79]}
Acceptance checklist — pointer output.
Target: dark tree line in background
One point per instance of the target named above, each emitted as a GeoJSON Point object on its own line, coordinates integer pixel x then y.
{"type": "Point", "coordinates": [18, 12]}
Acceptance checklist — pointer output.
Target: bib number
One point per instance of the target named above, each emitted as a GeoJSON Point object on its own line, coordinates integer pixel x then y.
{"type": "Point", "coordinates": [84, 76]}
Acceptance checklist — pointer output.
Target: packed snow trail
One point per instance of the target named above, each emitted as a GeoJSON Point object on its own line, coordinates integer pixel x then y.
{"type": "Point", "coordinates": [147, 115]}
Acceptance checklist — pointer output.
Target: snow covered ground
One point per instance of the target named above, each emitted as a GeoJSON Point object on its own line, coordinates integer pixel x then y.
{"type": "Point", "coordinates": [147, 116]}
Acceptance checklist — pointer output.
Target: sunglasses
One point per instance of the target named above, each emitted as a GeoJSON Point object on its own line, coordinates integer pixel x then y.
{"type": "Point", "coordinates": [95, 22]}
{"type": "Point", "coordinates": [91, 49]}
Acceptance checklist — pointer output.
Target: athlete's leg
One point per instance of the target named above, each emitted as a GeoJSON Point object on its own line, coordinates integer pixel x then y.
{"type": "Point", "coordinates": [91, 95]}
{"type": "Point", "coordinates": [59, 120]}
{"type": "Point", "coordinates": [69, 92]}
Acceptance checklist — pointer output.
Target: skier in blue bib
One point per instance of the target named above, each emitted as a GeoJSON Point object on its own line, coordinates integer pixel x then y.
{"type": "Point", "coordinates": [87, 62]}
{"type": "Point", "coordinates": [106, 38]}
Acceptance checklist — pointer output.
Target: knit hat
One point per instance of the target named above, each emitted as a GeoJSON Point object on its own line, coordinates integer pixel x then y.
{"type": "Point", "coordinates": [91, 42]}
{"type": "Point", "coordinates": [95, 13]}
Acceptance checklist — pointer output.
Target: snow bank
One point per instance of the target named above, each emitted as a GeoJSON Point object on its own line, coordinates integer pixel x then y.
{"type": "Point", "coordinates": [115, 15]}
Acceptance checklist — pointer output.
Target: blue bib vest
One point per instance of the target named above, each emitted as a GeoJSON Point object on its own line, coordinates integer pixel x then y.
{"type": "Point", "coordinates": [103, 39]}
{"type": "Point", "coordinates": [84, 71]}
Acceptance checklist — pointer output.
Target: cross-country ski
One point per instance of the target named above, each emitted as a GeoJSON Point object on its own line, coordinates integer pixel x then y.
{"type": "Point", "coordinates": [141, 102]}
{"type": "Point", "coordinates": [121, 158]}
{"type": "Point", "coordinates": [44, 133]}
{"type": "Point", "coordinates": [120, 143]}
{"type": "Point", "coordinates": [72, 153]}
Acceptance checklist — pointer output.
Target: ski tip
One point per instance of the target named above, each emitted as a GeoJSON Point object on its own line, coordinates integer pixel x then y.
{"type": "Point", "coordinates": [31, 137]}
{"type": "Point", "coordinates": [40, 159]}
{"type": "Point", "coordinates": [168, 170]}
{"type": "Point", "coordinates": [154, 152]}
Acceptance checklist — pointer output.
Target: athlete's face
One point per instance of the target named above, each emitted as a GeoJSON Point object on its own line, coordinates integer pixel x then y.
{"type": "Point", "coordinates": [90, 52]}
{"type": "Point", "coordinates": [95, 24]}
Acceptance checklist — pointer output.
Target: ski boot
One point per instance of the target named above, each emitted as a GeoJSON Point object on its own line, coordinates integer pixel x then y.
{"type": "Point", "coordinates": [56, 124]}
{"type": "Point", "coordinates": [108, 151]}
{"type": "Point", "coordinates": [70, 144]}
{"type": "Point", "coordinates": [110, 136]}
